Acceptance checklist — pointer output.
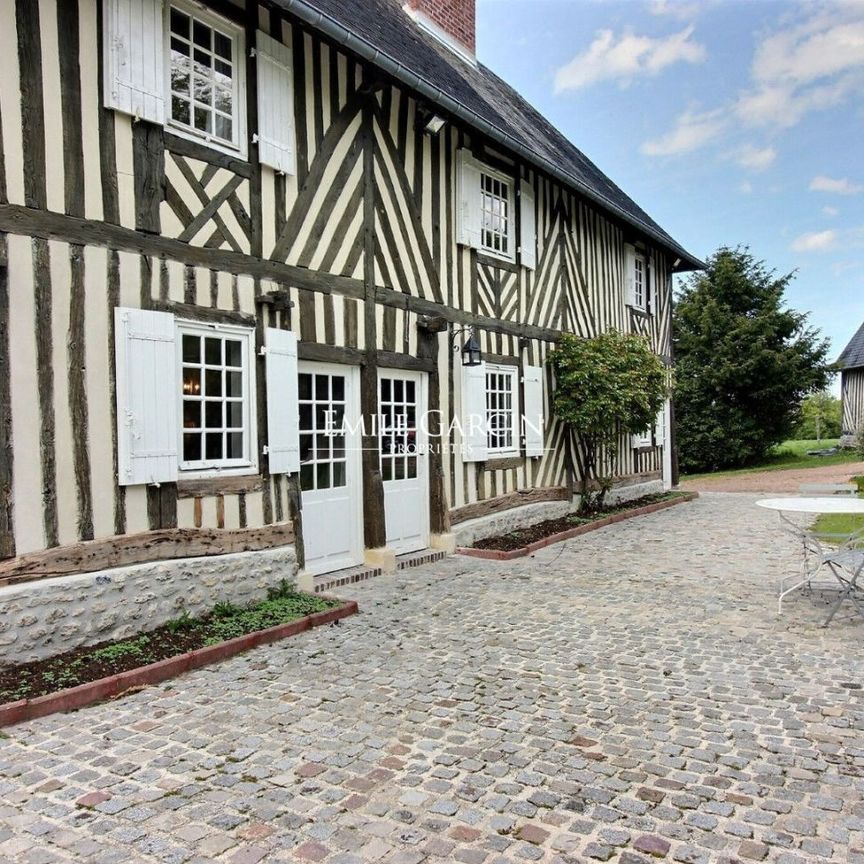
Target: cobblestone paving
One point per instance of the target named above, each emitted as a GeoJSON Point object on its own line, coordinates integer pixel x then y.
{"type": "Point", "coordinates": [628, 696]}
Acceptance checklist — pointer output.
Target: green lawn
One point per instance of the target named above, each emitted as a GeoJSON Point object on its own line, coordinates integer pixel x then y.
{"type": "Point", "coordinates": [790, 454]}
{"type": "Point", "coordinates": [841, 523]}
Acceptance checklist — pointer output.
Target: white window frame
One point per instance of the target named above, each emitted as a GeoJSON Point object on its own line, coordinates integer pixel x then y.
{"type": "Point", "coordinates": [248, 464]}
{"type": "Point", "coordinates": [512, 372]}
{"type": "Point", "coordinates": [509, 183]}
{"type": "Point", "coordinates": [237, 147]}
{"type": "Point", "coordinates": [640, 267]}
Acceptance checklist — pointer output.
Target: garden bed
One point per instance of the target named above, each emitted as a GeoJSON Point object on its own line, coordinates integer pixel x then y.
{"type": "Point", "coordinates": [91, 673]}
{"type": "Point", "coordinates": [523, 541]}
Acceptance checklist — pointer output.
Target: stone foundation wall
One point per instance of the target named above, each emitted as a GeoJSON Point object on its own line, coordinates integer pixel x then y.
{"type": "Point", "coordinates": [468, 532]}
{"type": "Point", "coordinates": [40, 619]}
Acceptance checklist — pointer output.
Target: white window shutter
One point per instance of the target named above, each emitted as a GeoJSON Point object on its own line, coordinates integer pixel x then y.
{"type": "Point", "coordinates": [283, 413]}
{"type": "Point", "coordinates": [147, 396]}
{"type": "Point", "coordinates": [468, 215]}
{"type": "Point", "coordinates": [276, 138]}
{"type": "Point", "coordinates": [473, 419]}
{"type": "Point", "coordinates": [660, 427]}
{"type": "Point", "coordinates": [528, 226]}
{"type": "Point", "coordinates": [649, 286]}
{"type": "Point", "coordinates": [134, 50]}
{"type": "Point", "coordinates": [532, 380]}
{"type": "Point", "coordinates": [629, 274]}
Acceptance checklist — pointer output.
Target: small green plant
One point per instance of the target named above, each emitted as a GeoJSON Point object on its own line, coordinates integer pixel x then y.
{"type": "Point", "coordinates": [224, 609]}
{"type": "Point", "coordinates": [181, 624]}
{"type": "Point", "coordinates": [283, 589]}
{"type": "Point", "coordinates": [858, 441]}
{"type": "Point", "coordinates": [127, 648]}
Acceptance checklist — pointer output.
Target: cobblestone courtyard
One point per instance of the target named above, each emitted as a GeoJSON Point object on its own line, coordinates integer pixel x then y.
{"type": "Point", "coordinates": [628, 696]}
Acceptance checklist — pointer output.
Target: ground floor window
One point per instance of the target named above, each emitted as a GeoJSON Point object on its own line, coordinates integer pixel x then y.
{"type": "Point", "coordinates": [215, 392]}
{"type": "Point", "coordinates": [502, 410]}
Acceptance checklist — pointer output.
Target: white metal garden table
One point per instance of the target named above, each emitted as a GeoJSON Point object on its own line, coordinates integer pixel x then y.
{"type": "Point", "coordinates": [841, 554]}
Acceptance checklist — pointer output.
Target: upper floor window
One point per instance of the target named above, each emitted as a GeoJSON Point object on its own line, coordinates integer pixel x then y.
{"type": "Point", "coordinates": [496, 195]}
{"type": "Point", "coordinates": [639, 286]}
{"type": "Point", "coordinates": [204, 77]}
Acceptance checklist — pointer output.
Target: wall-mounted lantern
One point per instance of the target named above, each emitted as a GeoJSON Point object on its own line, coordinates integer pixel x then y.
{"type": "Point", "coordinates": [471, 353]}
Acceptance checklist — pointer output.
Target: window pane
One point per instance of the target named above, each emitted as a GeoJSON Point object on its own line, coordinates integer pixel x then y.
{"type": "Point", "coordinates": [307, 477]}
{"type": "Point", "coordinates": [191, 415]}
{"type": "Point", "coordinates": [399, 468]}
{"type": "Point", "coordinates": [322, 387]}
{"type": "Point", "coordinates": [179, 23]}
{"type": "Point", "coordinates": [305, 448]}
{"type": "Point", "coordinates": [322, 475]}
{"type": "Point", "coordinates": [397, 390]}
{"type": "Point", "coordinates": [235, 445]}
{"type": "Point", "coordinates": [179, 52]}
{"type": "Point", "coordinates": [224, 128]}
{"type": "Point", "coordinates": [233, 383]}
{"type": "Point", "coordinates": [337, 442]}
{"type": "Point", "coordinates": [304, 385]}
{"type": "Point", "coordinates": [202, 61]}
{"type": "Point", "coordinates": [192, 448]}
{"type": "Point", "coordinates": [202, 119]}
{"type": "Point", "coordinates": [338, 474]}
{"type": "Point", "coordinates": [387, 468]}
{"type": "Point", "coordinates": [213, 382]}
{"type": "Point", "coordinates": [180, 110]}
{"type": "Point", "coordinates": [385, 390]}
{"type": "Point", "coordinates": [180, 80]}
{"type": "Point", "coordinates": [224, 71]}
{"type": "Point", "coordinates": [213, 415]}
{"type": "Point", "coordinates": [235, 415]}
{"type": "Point", "coordinates": [213, 443]}
{"type": "Point", "coordinates": [233, 353]}
{"type": "Point", "coordinates": [201, 34]}
{"type": "Point", "coordinates": [306, 417]}
{"type": "Point", "coordinates": [322, 447]}
{"type": "Point", "coordinates": [191, 349]}
{"type": "Point", "coordinates": [191, 382]}
{"type": "Point", "coordinates": [338, 383]}
{"type": "Point", "coordinates": [222, 44]}
{"type": "Point", "coordinates": [412, 466]}
{"type": "Point", "coordinates": [203, 91]}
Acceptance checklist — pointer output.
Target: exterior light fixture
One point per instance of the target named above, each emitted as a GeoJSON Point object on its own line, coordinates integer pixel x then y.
{"type": "Point", "coordinates": [434, 124]}
{"type": "Point", "coordinates": [472, 355]}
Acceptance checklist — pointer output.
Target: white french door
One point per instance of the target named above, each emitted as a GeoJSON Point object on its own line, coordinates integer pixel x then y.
{"type": "Point", "coordinates": [402, 402]}
{"type": "Point", "coordinates": [330, 474]}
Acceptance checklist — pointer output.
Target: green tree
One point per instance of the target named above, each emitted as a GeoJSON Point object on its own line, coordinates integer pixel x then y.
{"type": "Point", "coordinates": [743, 362]}
{"type": "Point", "coordinates": [820, 417]}
{"type": "Point", "coordinates": [607, 386]}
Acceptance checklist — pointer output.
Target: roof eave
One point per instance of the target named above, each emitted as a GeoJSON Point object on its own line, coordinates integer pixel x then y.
{"type": "Point", "coordinates": [363, 48]}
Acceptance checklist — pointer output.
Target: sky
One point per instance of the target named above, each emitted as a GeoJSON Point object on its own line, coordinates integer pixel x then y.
{"type": "Point", "coordinates": [728, 122]}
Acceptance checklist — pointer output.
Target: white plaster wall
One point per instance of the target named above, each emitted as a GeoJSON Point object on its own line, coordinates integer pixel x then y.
{"type": "Point", "coordinates": [39, 619]}
{"type": "Point", "coordinates": [468, 532]}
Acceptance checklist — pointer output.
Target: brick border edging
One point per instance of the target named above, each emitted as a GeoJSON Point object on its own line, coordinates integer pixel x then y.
{"type": "Point", "coordinates": [154, 673]}
{"type": "Point", "coordinates": [499, 555]}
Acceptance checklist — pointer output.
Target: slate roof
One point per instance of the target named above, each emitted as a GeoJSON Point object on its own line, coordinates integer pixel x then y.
{"type": "Point", "coordinates": [853, 354]}
{"type": "Point", "coordinates": [381, 32]}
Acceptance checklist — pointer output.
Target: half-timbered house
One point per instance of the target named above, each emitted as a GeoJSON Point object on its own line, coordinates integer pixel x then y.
{"type": "Point", "coordinates": [225, 224]}
{"type": "Point", "coordinates": [851, 365]}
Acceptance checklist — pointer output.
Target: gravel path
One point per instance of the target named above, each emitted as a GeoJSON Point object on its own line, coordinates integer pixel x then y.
{"type": "Point", "coordinates": [627, 696]}
{"type": "Point", "coordinates": [783, 480]}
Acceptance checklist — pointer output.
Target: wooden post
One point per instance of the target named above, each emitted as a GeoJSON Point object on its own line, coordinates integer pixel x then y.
{"type": "Point", "coordinates": [439, 516]}
{"type": "Point", "coordinates": [7, 526]}
{"type": "Point", "coordinates": [374, 524]}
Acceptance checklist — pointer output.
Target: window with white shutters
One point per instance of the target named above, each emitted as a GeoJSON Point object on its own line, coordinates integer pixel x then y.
{"type": "Point", "coordinates": [472, 420]}
{"type": "Point", "coordinates": [215, 387]}
{"type": "Point", "coordinates": [502, 410]}
{"type": "Point", "coordinates": [283, 429]}
{"type": "Point", "coordinates": [205, 76]}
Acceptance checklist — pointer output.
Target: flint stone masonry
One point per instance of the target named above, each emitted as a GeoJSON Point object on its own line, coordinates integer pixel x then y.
{"type": "Point", "coordinates": [469, 532]}
{"type": "Point", "coordinates": [40, 619]}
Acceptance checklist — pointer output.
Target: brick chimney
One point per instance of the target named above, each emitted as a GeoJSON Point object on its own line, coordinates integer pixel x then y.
{"type": "Point", "coordinates": [456, 18]}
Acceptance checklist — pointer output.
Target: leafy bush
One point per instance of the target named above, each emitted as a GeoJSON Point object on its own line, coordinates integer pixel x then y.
{"type": "Point", "coordinates": [607, 387]}
{"type": "Point", "coordinates": [820, 417]}
{"type": "Point", "coordinates": [858, 442]}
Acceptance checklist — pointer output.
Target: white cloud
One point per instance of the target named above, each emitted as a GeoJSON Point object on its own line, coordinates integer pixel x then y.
{"type": "Point", "coordinates": [755, 158]}
{"type": "Point", "coordinates": [829, 211]}
{"type": "Point", "coordinates": [816, 241]}
{"type": "Point", "coordinates": [691, 131]}
{"type": "Point", "coordinates": [745, 187]}
{"type": "Point", "coordinates": [810, 65]}
{"type": "Point", "coordinates": [626, 57]}
{"type": "Point", "coordinates": [678, 9]}
{"type": "Point", "coordinates": [841, 186]}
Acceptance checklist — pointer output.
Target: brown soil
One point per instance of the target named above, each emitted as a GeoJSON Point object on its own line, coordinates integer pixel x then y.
{"type": "Point", "coordinates": [92, 662]}
{"type": "Point", "coordinates": [785, 480]}
{"type": "Point", "coordinates": [526, 536]}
